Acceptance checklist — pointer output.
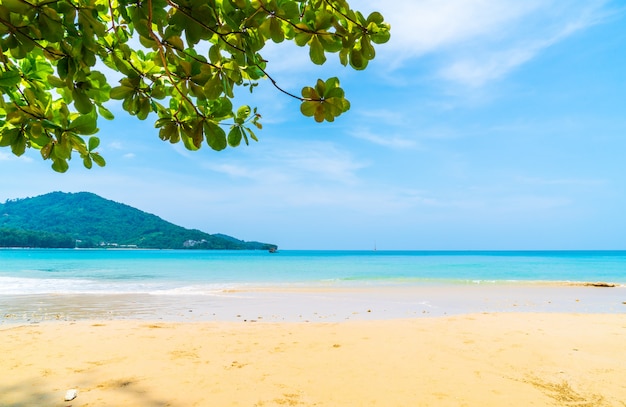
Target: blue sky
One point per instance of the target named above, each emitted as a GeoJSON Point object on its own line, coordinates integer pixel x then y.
{"type": "Point", "coordinates": [482, 124]}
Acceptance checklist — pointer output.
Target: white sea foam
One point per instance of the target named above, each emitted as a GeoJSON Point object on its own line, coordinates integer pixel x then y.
{"type": "Point", "coordinates": [34, 286]}
{"type": "Point", "coordinates": [197, 289]}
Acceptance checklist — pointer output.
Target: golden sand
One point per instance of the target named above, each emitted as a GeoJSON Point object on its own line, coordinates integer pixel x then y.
{"type": "Point", "coordinates": [506, 359]}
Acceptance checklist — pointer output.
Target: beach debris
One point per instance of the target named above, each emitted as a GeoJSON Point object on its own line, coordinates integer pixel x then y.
{"type": "Point", "coordinates": [71, 394]}
{"type": "Point", "coordinates": [600, 284]}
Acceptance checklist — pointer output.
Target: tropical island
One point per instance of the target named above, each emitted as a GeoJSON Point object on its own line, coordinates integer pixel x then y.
{"type": "Point", "coordinates": [86, 220]}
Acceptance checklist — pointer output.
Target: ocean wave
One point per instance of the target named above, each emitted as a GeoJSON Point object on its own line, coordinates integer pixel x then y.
{"type": "Point", "coordinates": [35, 286]}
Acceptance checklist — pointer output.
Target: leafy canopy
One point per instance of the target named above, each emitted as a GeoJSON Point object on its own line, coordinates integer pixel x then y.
{"type": "Point", "coordinates": [53, 54]}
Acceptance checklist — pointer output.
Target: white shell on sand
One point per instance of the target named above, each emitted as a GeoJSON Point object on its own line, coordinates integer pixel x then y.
{"type": "Point", "coordinates": [71, 394]}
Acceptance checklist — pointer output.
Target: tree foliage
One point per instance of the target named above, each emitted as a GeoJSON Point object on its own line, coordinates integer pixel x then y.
{"type": "Point", "coordinates": [26, 238]}
{"type": "Point", "coordinates": [180, 62]}
{"type": "Point", "coordinates": [86, 220]}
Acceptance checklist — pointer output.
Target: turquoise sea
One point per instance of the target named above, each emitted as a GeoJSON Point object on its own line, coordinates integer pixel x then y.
{"type": "Point", "coordinates": [37, 285]}
{"type": "Point", "coordinates": [28, 271]}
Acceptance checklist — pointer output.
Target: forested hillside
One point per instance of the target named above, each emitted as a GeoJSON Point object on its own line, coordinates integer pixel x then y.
{"type": "Point", "coordinates": [84, 219]}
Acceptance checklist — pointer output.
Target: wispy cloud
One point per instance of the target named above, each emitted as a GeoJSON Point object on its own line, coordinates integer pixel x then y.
{"type": "Point", "coordinates": [421, 27]}
{"type": "Point", "coordinates": [327, 162]}
{"type": "Point", "coordinates": [477, 41]}
{"type": "Point", "coordinates": [5, 156]}
{"type": "Point", "coordinates": [385, 139]}
{"type": "Point", "coordinates": [116, 145]}
{"type": "Point", "coordinates": [560, 181]}
{"type": "Point", "coordinates": [382, 116]}
{"type": "Point", "coordinates": [294, 163]}
{"type": "Point", "coordinates": [489, 63]}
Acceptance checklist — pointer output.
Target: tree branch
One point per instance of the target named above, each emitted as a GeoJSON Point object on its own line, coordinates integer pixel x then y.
{"type": "Point", "coordinates": [156, 39]}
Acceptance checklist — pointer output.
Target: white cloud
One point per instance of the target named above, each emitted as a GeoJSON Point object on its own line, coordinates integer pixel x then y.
{"type": "Point", "coordinates": [6, 156]}
{"type": "Point", "coordinates": [477, 41]}
{"type": "Point", "coordinates": [385, 139]}
{"type": "Point", "coordinates": [245, 170]}
{"type": "Point", "coordinates": [116, 145]}
{"type": "Point", "coordinates": [561, 181]}
{"type": "Point", "coordinates": [383, 116]}
{"type": "Point", "coordinates": [325, 161]}
{"type": "Point", "coordinates": [492, 63]}
{"type": "Point", "coordinates": [293, 163]}
{"type": "Point", "coordinates": [421, 27]}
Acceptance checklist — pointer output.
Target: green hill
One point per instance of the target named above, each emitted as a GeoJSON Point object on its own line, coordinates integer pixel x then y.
{"type": "Point", "coordinates": [84, 219]}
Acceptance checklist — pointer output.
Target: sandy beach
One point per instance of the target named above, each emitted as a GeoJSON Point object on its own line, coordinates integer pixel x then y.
{"type": "Point", "coordinates": [486, 359]}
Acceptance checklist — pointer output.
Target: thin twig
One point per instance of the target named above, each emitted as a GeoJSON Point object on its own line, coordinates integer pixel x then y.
{"type": "Point", "coordinates": [16, 30]}
{"type": "Point", "coordinates": [164, 60]}
{"type": "Point", "coordinates": [211, 29]}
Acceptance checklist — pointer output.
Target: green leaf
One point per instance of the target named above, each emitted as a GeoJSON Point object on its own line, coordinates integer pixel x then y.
{"type": "Point", "coordinates": [252, 135]}
{"type": "Point", "coordinates": [330, 43]}
{"type": "Point", "coordinates": [320, 86]}
{"type": "Point", "coordinates": [176, 42]}
{"type": "Point", "coordinates": [213, 88]}
{"type": "Point", "coordinates": [356, 60]}
{"type": "Point", "coordinates": [334, 93]}
{"type": "Point", "coordinates": [106, 113]}
{"type": "Point", "coordinates": [308, 108]}
{"type": "Point", "coordinates": [18, 147]}
{"type": "Point", "coordinates": [289, 10]}
{"type": "Point", "coordinates": [302, 38]}
{"type": "Point", "coordinates": [214, 54]}
{"type": "Point", "coordinates": [94, 142]}
{"type": "Point", "coordinates": [16, 6]}
{"type": "Point", "coordinates": [56, 82]}
{"type": "Point", "coordinates": [215, 136]}
{"type": "Point", "coordinates": [188, 142]}
{"type": "Point", "coordinates": [8, 137]}
{"type": "Point", "coordinates": [121, 92]}
{"type": "Point", "coordinates": [276, 31]}
{"type": "Point", "coordinates": [329, 85]}
{"type": "Point", "coordinates": [234, 136]}
{"type": "Point", "coordinates": [169, 131]}
{"type": "Point", "coordinates": [310, 93]}
{"type": "Point", "coordinates": [144, 108]}
{"type": "Point", "coordinates": [62, 149]}
{"type": "Point", "coordinates": [316, 52]}
{"type": "Point", "coordinates": [380, 37]}
{"type": "Point", "coordinates": [45, 150]}
{"type": "Point", "coordinates": [10, 78]}
{"type": "Point", "coordinates": [60, 165]}
{"type": "Point", "coordinates": [97, 158]}
{"type": "Point", "coordinates": [244, 112]}
{"type": "Point", "coordinates": [367, 50]}
{"type": "Point", "coordinates": [84, 124]}
{"type": "Point", "coordinates": [376, 18]}
{"type": "Point", "coordinates": [320, 112]}
{"type": "Point", "coordinates": [82, 102]}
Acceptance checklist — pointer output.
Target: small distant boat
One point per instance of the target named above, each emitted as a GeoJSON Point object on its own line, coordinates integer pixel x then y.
{"type": "Point", "coordinates": [273, 249]}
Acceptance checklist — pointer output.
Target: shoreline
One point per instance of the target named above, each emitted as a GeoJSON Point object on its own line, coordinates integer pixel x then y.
{"type": "Point", "coordinates": [486, 359]}
{"type": "Point", "coordinates": [318, 303]}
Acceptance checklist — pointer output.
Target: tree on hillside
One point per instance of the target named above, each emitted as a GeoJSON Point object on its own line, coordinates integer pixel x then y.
{"type": "Point", "coordinates": [180, 61]}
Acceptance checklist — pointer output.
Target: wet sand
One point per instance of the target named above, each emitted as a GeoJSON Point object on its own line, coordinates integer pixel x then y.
{"type": "Point", "coordinates": [318, 304]}
{"type": "Point", "coordinates": [490, 359]}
